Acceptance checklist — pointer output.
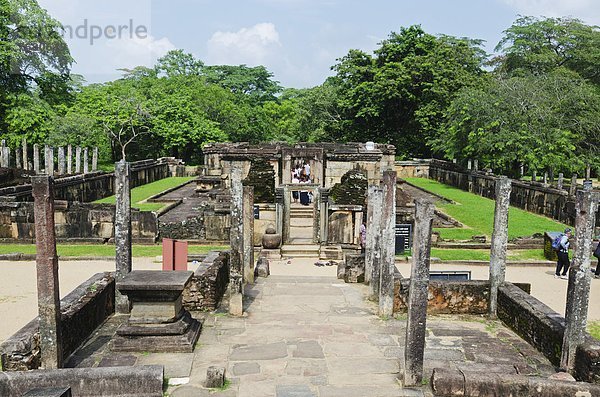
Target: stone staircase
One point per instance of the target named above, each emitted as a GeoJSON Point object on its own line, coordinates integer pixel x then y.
{"type": "Point", "coordinates": [301, 234]}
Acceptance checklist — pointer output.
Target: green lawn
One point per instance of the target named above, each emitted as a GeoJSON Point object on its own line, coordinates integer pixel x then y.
{"type": "Point", "coordinates": [103, 250]}
{"type": "Point", "coordinates": [144, 192]}
{"type": "Point", "coordinates": [477, 214]}
{"type": "Point", "coordinates": [594, 329]}
{"type": "Point", "coordinates": [484, 254]}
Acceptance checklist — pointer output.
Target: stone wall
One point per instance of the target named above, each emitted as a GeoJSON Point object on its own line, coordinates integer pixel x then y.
{"type": "Point", "coordinates": [412, 168]}
{"type": "Point", "coordinates": [95, 185]}
{"type": "Point", "coordinates": [82, 311]}
{"type": "Point", "coordinates": [531, 196]}
{"type": "Point", "coordinates": [343, 224]}
{"type": "Point", "coordinates": [74, 221]}
{"type": "Point", "coordinates": [209, 225]}
{"type": "Point", "coordinates": [543, 328]}
{"type": "Point", "coordinates": [209, 283]}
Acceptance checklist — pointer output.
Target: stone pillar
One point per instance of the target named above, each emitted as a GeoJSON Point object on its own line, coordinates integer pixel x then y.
{"type": "Point", "coordinates": [578, 290]}
{"type": "Point", "coordinates": [77, 160]}
{"type": "Point", "coordinates": [534, 176]}
{"type": "Point", "coordinates": [2, 156]}
{"type": "Point", "coordinates": [476, 165]}
{"type": "Point", "coordinates": [499, 241]}
{"type": "Point", "coordinates": [95, 159]}
{"type": "Point", "coordinates": [279, 203]}
{"type": "Point", "coordinates": [323, 214]}
{"type": "Point", "coordinates": [47, 272]}
{"type": "Point", "coordinates": [561, 181]}
{"type": "Point", "coordinates": [373, 244]}
{"type": "Point", "coordinates": [122, 230]}
{"type": "Point", "coordinates": [388, 225]}
{"type": "Point", "coordinates": [24, 153]}
{"type": "Point", "coordinates": [18, 158]}
{"type": "Point", "coordinates": [573, 187]}
{"type": "Point", "coordinates": [417, 294]}
{"type": "Point", "coordinates": [522, 171]}
{"type": "Point", "coordinates": [85, 161]}
{"type": "Point", "coordinates": [248, 234]}
{"type": "Point", "coordinates": [36, 158]}
{"type": "Point", "coordinates": [545, 178]}
{"type": "Point", "coordinates": [5, 156]}
{"type": "Point", "coordinates": [588, 172]}
{"type": "Point", "coordinates": [469, 165]}
{"type": "Point", "coordinates": [61, 160]}
{"type": "Point", "coordinates": [49, 160]}
{"type": "Point", "coordinates": [69, 159]}
{"type": "Point", "coordinates": [236, 275]}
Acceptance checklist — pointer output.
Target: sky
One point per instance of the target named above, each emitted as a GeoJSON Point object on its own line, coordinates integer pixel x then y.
{"type": "Point", "coordinates": [297, 40]}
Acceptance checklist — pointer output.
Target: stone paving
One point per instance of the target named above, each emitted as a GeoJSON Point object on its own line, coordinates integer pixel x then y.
{"type": "Point", "coordinates": [317, 336]}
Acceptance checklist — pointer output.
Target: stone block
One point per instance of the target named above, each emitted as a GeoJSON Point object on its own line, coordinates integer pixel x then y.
{"type": "Point", "coordinates": [341, 228]}
{"type": "Point", "coordinates": [447, 382]}
{"type": "Point", "coordinates": [49, 392]}
{"type": "Point", "coordinates": [263, 268]}
{"type": "Point", "coordinates": [215, 377]}
{"type": "Point", "coordinates": [341, 270]}
{"type": "Point", "coordinates": [355, 269]}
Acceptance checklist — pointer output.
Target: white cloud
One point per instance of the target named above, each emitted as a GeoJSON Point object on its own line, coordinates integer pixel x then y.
{"type": "Point", "coordinates": [586, 10]}
{"type": "Point", "coordinates": [255, 45]}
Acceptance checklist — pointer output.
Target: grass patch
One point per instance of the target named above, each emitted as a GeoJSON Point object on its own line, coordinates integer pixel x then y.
{"type": "Point", "coordinates": [477, 213]}
{"type": "Point", "coordinates": [484, 254]}
{"type": "Point", "coordinates": [76, 250]}
{"type": "Point", "coordinates": [594, 329]}
{"type": "Point", "coordinates": [144, 192]}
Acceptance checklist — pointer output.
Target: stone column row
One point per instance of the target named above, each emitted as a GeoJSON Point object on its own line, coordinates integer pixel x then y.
{"type": "Point", "coordinates": [64, 161]}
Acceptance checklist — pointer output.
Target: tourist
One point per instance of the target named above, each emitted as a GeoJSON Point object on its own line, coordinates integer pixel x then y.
{"type": "Point", "coordinates": [363, 236]}
{"type": "Point", "coordinates": [295, 181]}
{"type": "Point", "coordinates": [597, 255]}
{"type": "Point", "coordinates": [304, 198]}
{"type": "Point", "coordinates": [563, 256]}
{"type": "Point", "coordinates": [307, 169]}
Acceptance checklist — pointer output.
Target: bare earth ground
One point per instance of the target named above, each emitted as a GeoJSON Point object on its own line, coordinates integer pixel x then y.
{"type": "Point", "coordinates": [18, 303]}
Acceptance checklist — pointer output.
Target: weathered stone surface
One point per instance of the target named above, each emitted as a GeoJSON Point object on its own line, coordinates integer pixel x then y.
{"type": "Point", "coordinates": [49, 392]}
{"type": "Point", "coordinates": [269, 351]}
{"type": "Point", "coordinates": [388, 223]}
{"type": "Point", "coordinates": [236, 269]}
{"type": "Point", "coordinates": [341, 270]}
{"type": "Point", "coordinates": [122, 229]}
{"type": "Point", "coordinates": [373, 244]}
{"type": "Point", "coordinates": [245, 368]}
{"type": "Point", "coordinates": [262, 268]}
{"type": "Point", "coordinates": [248, 234]}
{"type": "Point", "coordinates": [355, 268]}
{"type": "Point", "coordinates": [208, 284]}
{"type": "Point", "coordinates": [499, 241]}
{"type": "Point", "coordinates": [341, 228]}
{"type": "Point", "coordinates": [215, 377]}
{"type": "Point", "coordinates": [309, 349]}
{"type": "Point", "coordinates": [294, 391]}
{"type": "Point", "coordinates": [578, 290]}
{"type": "Point", "coordinates": [47, 273]}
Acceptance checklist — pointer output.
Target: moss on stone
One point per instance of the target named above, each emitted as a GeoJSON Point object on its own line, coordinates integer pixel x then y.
{"type": "Point", "coordinates": [352, 190]}
{"type": "Point", "coordinates": [262, 177]}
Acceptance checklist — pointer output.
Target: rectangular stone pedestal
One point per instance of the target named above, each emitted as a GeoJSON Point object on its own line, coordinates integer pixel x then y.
{"type": "Point", "coordinates": [158, 321]}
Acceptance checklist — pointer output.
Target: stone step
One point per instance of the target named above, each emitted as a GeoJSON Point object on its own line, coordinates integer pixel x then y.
{"type": "Point", "coordinates": [301, 222]}
{"type": "Point", "coordinates": [331, 252]}
{"type": "Point", "coordinates": [300, 251]}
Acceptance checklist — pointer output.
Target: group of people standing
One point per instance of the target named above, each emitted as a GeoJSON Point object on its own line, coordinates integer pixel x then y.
{"type": "Point", "coordinates": [300, 175]}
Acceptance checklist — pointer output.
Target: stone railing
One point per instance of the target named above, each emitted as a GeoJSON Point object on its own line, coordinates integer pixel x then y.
{"type": "Point", "coordinates": [209, 283]}
{"type": "Point", "coordinates": [82, 311]}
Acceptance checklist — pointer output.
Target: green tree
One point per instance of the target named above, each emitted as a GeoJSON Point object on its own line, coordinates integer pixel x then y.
{"type": "Point", "coordinates": [399, 96]}
{"type": "Point", "coordinates": [253, 83]}
{"type": "Point", "coordinates": [540, 45]}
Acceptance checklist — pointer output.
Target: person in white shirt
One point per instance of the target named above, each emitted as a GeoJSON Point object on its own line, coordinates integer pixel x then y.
{"type": "Point", "coordinates": [295, 193]}
{"type": "Point", "coordinates": [307, 170]}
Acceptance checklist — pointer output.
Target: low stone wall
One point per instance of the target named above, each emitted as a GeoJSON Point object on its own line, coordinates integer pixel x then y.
{"type": "Point", "coordinates": [82, 311]}
{"type": "Point", "coordinates": [454, 382]}
{"type": "Point", "coordinates": [544, 329]}
{"type": "Point", "coordinates": [74, 221]}
{"type": "Point", "coordinates": [208, 226]}
{"type": "Point", "coordinates": [93, 186]}
{"type": "Point", "coordinates": [209, 283]}
{"type": "Point", "coordinates": [412, 168]}
{"type": "Point", "coordinates": [137, 381]}
{"type": "Point", "coordinates": [531, 196]}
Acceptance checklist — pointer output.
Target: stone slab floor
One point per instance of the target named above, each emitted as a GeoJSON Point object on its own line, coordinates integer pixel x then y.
{"type": "Point", "coordinates": [307, 336]}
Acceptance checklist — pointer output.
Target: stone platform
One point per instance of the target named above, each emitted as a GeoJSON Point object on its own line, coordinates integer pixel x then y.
{"type": "Point", "coordinates": [317, 336]}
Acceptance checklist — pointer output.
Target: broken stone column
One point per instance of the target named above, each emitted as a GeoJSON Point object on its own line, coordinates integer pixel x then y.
{"type": "Point", "coordinates": [122, 230]}
{"type": "Point", "coordinates": [534, 176]}
{"type": "Point", "coordinates": [85, 161]}
{"type": "Point", "coordinates": [373, 243]}
{"type": "Point", "coordinates": [24, 154]}
{"type": "Point", "coordinates": [476, 165]}
{"type": "Point", "coordinates": [49, 160]}
{"type": "Point", "coordinates": [95, 159]}
{"type": "Point", "coordinates": [388, 240]}
{"type": "Point", "coordinates": [417, 294]}
{"type": "Point", "coordinates": [578, 290]}
{"type": "Point", "coordinates": [2, 160]}
{"type": "Point", "coordinates": [215, 377]}
{"type": "Point", "coordinates": [499, 241]}
{"type": "Point", "coordinates": [18, 158]}
{"type": "Point", "coordinates": [61, 160]}
{"type": "Point", "coordinates": [573, 187]}
{"type": "Point", "coordinates": [469, 165]}
{"type": "Point", "coordinates": [521, 171]}
{"type": "Point", "coordinates": [545, 178]}
{"type": "Point", "coordinates": [248, 230]}
{"type": "Point", "coordinates": [36, 158]}
{"type": "Point", "coordinates": [47, 272]}
{"type": "Point", "coordinates": [561, 180]}
{"type": "Point", "coordinates": [236, 275]}
{"type": "Point", "coordinates": [69, 159]}
{"type": "Point", "coordinates": [5, 156]}
{"type": "Point", "coordinates": [77, 160]}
